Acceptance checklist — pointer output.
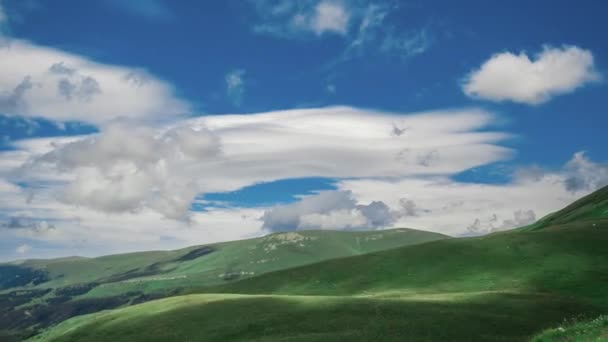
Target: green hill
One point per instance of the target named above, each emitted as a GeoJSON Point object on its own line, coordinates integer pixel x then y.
{"type": "Point", "coordinates": [590, 207]}
{"type": "Point", "coordinates": [37, 293]}
{"type": "Point", "coordinates": [500, 287]}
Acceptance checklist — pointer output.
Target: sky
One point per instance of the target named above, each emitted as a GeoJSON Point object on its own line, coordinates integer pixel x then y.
{"type": "Point", "coordinates": [156, 124]}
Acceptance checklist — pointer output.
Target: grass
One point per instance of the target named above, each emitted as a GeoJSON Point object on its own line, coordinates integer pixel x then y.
{"type": "Point", "coordinates": [571, 261]}
{"type": "Point", "coordinates": [237, 259]}
{"type": "Point", "coordinates": [209, 317]}
{"type": "Point", "coordinates": [85, 285]}
{"type": "Point", "coordinates": [500, 287]}
{"type": "Point", "coordinates": [595, 330]}
{"type": "Point", "coordinates": [590, 207]}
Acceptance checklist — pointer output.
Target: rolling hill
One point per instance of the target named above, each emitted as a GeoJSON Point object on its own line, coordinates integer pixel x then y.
{"type": "Point", "coordinates": [591, 207]}
{"type": "Point", "coordinates": [506, 286]}
{"type": "Point", "coordinates": [37, 293]}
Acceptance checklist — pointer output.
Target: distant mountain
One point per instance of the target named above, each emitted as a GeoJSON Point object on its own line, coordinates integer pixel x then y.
{"type": "Point", "coordinates": [37, 293]}
{"type": "Point", "coordinates": [499, 287]}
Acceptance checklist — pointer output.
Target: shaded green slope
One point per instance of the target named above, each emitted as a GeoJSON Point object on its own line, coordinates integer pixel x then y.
{"type": "Point", "coordinates": [571, 260]}
{"type": "Point", "coordinates": [475, 317]}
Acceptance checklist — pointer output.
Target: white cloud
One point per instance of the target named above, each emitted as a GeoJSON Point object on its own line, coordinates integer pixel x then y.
{"type": "Point", "coordinates": [235, 85]}
{"type": "Point", "coordinates": [288, 18]}
{"type": "Point", "coordinates": [328, 210]}
{"type": "Point", "coordinates": [329, 16]}
{"type": "Point", "coordinates": [582, 174]}
{"type": "Point", "coordinates": [38, 81]}
{"type": "Point", "coordinates": [23, 249]}
{"type": "Point", "coordinates": [493, 223]}
{"type": "Point", "coordinates": [435, 203]}
{"type": "Point", "coordinates": [456, 208]}
{"type": "Point", "coordinates": [126, 168]}
{"type": "Point", "coordinates": [131, 187]}
{"type": "Point", "coordinates": [554, 71]}
{"type": "Point", "coordinates": [335, 210]}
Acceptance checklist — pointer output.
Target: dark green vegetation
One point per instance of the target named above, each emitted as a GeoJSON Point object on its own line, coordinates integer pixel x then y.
{"type": "Point", "coordinates": [35, 294]}
{"type": "Point", "coordinates": [595, 330]}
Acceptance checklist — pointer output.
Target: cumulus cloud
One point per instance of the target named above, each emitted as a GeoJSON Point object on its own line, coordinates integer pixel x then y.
{"type": "Point", "coordinates": [128, 168]}
{"type": "Point", "coordinates": [582, 174]}
{"type": "Point", "coordinates": [235, 86]}
{"type": "Point", "coordinates": [495, 223]}
{"type": "Point", "coordinates": [328, 210]}
{"type": "Point", "coordinates": [329, 16]}
{"type": "Point", "coordinates": [44, 82]}
{"type": "Point", "coordinates": [519, 78]}
{"type": "Point", "coordinates": [12, 100]}
{"type": "Point", "coordinates": [451, 207]}
{"type": "Point", "coordinates": [336, 210]}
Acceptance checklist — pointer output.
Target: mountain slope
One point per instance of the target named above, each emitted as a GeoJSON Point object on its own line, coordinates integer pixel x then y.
{"type": "Point", "coordinates": [43, 292]}
{"type": "Point", "coordinates": [503, 287]}
{"type": "Point", "coordinates": [591, 207]}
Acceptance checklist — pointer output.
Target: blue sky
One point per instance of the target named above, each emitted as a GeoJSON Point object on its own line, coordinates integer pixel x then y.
{"type": "Point", "coordinates": [114, 113]}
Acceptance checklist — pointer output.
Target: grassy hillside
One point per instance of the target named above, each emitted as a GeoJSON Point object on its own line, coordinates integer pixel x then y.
{"type": "Point", "coordinates": [212, 264]}
{"type": "Point", "coordinates": [506, 286]}
{"type": "Point", "coordinates": [570, 260]}
{"type": "Point", "coordinates": [470, 317]}
{"type": "Point", "coordinates": [37, 293]}
{"type": "Point", "coordinates": [501, 287]}
{"type": "Point", "coordinates": [595, 330]}
{"type": "Point", "coordinates": [591, 207]}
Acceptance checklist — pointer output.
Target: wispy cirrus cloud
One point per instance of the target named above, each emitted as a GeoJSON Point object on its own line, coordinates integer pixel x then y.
{"type": "Point", "coordinates": [126, 168]}
{"type": "Point", "coordinates": [235, 86]}
{"type": "Point", "coordinates": [296, 18]}
{"type": "Point", "coordinates": [364, 26]}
